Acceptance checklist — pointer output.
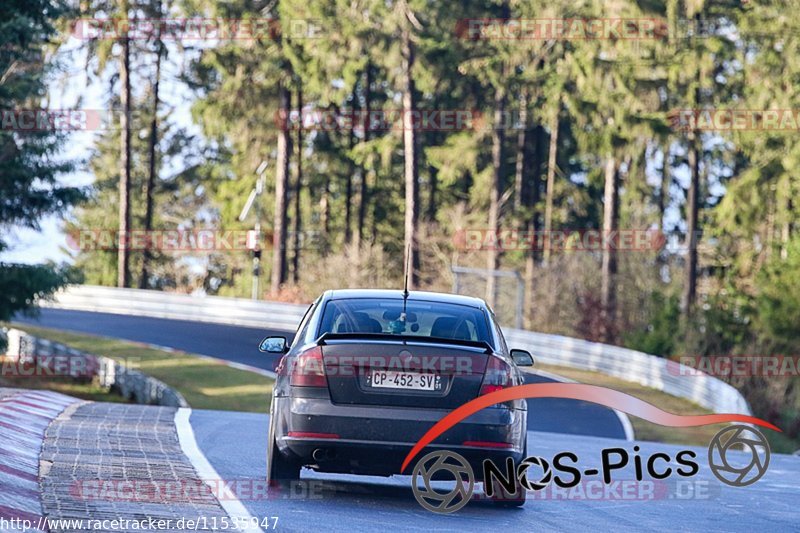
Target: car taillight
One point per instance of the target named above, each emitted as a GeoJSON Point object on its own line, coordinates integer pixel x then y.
{"type": "Point", "coordinates": [312, 435]}
{"type": "Point", "coordinates": [309, 369]}
{"type": "Point", "coordinates": [488, 444]}
{"type": "Point", "coordinates": [498, 375]}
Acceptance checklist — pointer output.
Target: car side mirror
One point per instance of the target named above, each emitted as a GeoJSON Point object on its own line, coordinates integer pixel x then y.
{"type": "Point", "coordinates": [522, 357]}
{"type": "Point", "coordinates": [273, 345]}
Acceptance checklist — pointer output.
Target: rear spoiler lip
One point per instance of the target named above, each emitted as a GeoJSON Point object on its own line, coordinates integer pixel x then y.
{"type": "Point", "coordinates": [325, 337]}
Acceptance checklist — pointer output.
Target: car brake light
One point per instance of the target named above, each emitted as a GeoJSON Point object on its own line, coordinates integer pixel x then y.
{"type": "Point", "coordinates": [488, 444]}
{"type": "Point", "coordinates": [309, 369]}
{"type": "Point", "coordinates": [312, 435]}
{"type": "Point", "coordinates": [498, 375]}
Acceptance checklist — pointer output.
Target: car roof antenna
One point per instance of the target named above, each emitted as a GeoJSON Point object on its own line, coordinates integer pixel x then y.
{"type": "Point", "coordinates": [407, 272]}
{"type": "Point", "coordinates": [405, 285]}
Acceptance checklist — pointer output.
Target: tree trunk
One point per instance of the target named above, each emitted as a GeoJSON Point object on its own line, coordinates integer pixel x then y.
{"type": "Point", "coordinates": [690, 269]}
{"type": "Point", "coordinates": [411, 168]}
{"type": "Point", "coordinates": [532, 198]}
{"type": "Point", "coordinates": [363, 199]}
{"type": "Point", "coordinates": [281, 186]}
{"type": "Point", "coordinates": [325, 210]}
{"type": "Point", "coordinates": [786, 231]}
{"type": "Point", "coordinates": [663, 194]}
{"type": "Point", "coordinates": [123, 255]}
{"type": "Point", "coordinates": [298, 189]}
{"type": "Point", "coordinates": [692, 195]}
{"type": "Point", "coordinates": [434, 183]}
{"type": "Point", "coordinates": [608, 289]}
{"type": "Point", "coordinates": [466, 185]}
{"type": "Point", "coordinates": [149, 191]}
{"type": "Point", "coordinates": [373, 229]}
{"type": "Point", "coordinates": [496, 190]}
{"type": "Point", "coordinates": [771, 229]}
{"type": "Point", "coordinates": [519, 170]}
{"type": "Point", "coordinates": [551, 176]}
{"type": "Point", "coordinates": [348, 190]}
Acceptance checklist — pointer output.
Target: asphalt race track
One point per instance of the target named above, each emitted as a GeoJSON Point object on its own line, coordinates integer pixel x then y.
{"type": "Point", "coordinates": [235, 444]}
{"type": "Point", "coordinates": [240, 344]}
{"type": "Point", "coordinates": [233, 343]}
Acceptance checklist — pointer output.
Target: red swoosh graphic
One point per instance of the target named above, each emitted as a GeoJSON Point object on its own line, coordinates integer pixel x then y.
{"type": "Point", "coordinates": [578, 391]}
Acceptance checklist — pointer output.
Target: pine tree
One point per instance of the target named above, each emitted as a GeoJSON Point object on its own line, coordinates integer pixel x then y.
{"type": "Point", "coordinates": [29, 161]}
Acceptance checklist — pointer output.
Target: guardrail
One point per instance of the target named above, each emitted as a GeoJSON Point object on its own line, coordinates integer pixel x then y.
{"type": "Point", "coordinates": [638, 367]}
{"type": "Point", "coordinates": [52, 358]}
{"type": "Point", "coordinates": [215, 309]}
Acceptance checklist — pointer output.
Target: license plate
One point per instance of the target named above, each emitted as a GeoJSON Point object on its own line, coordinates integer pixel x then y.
{"type": "Point", "coordinates": [391, 379]}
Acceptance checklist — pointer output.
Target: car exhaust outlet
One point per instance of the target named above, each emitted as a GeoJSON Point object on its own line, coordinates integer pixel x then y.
{"type": "Point", "coordinates": [321, 454]}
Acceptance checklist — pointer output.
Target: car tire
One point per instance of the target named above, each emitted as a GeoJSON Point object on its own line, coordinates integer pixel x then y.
{"type": "Point", "coordinates": [281, 471]}
{"type": "Point", "coordinates": [509, 502]}
{"type": "Point", "coordinates": [502, 499]}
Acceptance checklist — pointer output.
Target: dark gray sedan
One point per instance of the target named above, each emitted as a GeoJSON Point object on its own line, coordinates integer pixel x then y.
{"type": "Point", "coordinates": [370, 371]}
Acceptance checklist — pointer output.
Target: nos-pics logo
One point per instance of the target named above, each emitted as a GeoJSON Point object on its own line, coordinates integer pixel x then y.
{"type": "Point", "coordinates": [734, 469]}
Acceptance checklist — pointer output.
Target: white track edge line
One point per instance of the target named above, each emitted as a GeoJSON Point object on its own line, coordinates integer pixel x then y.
{"type": "Point", "coordinates": [624, 420]}
{"type": "Point", "coordinates": [234, 507]}
{"type": "Point", "coordinates": [232, 364]}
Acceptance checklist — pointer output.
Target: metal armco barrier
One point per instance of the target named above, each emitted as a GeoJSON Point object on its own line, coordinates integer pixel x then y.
{"type": "Point", "coordinates": [655, 372]}
{"type": "Point", "coordinates": [215, 309]}
{"type": "Point", "coordinates": [108, 373]}
{"type": "Point", "coordinates": [638, 367]}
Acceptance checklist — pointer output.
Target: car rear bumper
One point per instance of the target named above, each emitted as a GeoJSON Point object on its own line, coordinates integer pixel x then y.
{"type": "Point", "coordinates": [375, 440]}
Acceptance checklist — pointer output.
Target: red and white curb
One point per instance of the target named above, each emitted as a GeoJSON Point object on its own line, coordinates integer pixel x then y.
{"type": "Point", "coordinates": [24, 418]}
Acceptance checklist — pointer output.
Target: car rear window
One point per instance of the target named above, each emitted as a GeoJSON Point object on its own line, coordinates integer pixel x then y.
{"type": "Point", "coordinates": [419, 318]}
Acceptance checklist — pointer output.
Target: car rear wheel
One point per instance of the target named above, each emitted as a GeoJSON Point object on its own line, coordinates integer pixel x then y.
{"type": "Point", "coordinates": [502, 498]}
{"type": "Point", "coordinates": [281, 471]}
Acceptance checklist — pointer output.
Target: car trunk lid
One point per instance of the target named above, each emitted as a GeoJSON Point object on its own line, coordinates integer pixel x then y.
{"type": "Point", "coordinates": [405, 373]}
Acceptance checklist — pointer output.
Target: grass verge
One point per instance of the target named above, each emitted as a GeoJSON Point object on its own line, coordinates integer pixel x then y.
{"type": "Point", "coordinates": [206, 384]}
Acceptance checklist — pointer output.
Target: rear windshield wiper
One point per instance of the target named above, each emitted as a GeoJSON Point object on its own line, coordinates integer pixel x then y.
{"type": "Point", "coordinates": [322, 340]}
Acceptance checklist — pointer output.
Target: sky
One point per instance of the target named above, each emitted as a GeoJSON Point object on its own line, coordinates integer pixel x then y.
{"type": "Point", "coordinates": [72, 88]}
{"type": "Point", "coordinates": [31, 246]}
